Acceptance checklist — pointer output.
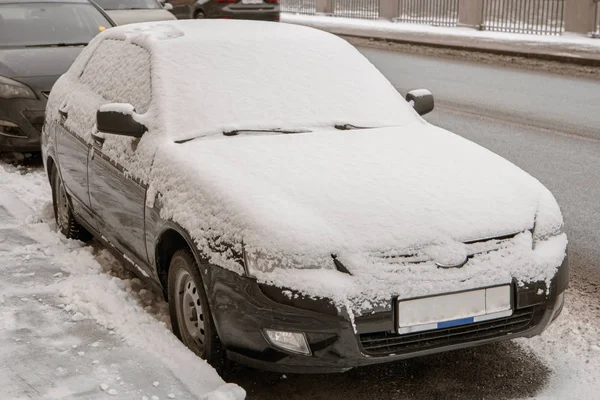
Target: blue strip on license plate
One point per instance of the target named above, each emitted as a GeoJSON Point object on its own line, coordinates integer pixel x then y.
{"type": "Point", "coordinates": [456, 322]}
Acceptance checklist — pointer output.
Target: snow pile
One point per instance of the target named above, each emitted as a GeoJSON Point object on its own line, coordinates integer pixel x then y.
{"type": "Point", "coordinates": [571, 348]}
{"type": "Point", "coordinates": [400, 30]}
{"type": "Point", "coordinates": [92, 284]}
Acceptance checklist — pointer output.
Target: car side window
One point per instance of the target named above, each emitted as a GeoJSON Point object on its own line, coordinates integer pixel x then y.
{"type": "Point", "coordinates": [119, 71]}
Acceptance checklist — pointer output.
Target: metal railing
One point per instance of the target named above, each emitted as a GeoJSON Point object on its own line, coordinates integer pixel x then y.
{"type": "Point", "coordinates": [364, 9]}
{"type": "Point", "coordinates": [542, 17]}
{"type": "Point", "coordinates": [434, 12]}
{"type": "Point", "coordinates": [308, 7]}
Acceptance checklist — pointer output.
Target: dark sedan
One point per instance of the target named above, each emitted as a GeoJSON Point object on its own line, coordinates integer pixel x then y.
{"type": "Point", "coordinates": [305, 222]}
{"type": "Point", "coordinates": [39, 40]}
{"type": "Point", "coordinates": [263, 10]}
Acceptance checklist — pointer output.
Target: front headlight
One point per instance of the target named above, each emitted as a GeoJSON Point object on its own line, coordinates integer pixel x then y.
{"type": "Point", "coordinates": [10, 89]}
{"type": "Point", "coordinates": [258, 261]}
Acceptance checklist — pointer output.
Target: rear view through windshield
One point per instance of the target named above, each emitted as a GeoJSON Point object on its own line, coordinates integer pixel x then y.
{"type": "Point", "coordinates": [46, 24]}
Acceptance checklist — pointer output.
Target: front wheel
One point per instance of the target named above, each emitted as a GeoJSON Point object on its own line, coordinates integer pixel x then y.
{"type": "Point", "coordinates": [63, 213]}
{"type": "Point", "coordinates": [191, 318]}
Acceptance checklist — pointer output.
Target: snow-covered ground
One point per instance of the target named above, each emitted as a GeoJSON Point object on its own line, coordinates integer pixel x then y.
{"type": "Point", "coordinates": [74, 323]}
{"type": "Point", "coordinates": [385, 29]}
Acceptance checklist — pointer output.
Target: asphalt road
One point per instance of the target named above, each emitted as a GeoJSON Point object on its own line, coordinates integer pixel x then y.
{"type": "Point", "coordinates": [547, 124]}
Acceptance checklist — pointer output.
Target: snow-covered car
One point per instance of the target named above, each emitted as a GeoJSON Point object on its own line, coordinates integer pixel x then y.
{"type": "Point", "coordinates": [295, 210]}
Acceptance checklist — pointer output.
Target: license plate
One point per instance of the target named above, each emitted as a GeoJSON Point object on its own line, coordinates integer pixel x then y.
{"type": "Point", "coordinates": [252, 1]}
{"type": "Point", "coordinates": [455, 309]}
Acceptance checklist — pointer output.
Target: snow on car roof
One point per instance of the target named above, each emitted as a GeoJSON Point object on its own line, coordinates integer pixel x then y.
{"type": "Point", "coordinates": [214, 76]}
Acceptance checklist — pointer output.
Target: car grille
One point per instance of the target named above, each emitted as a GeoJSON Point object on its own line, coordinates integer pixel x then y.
{"type": "Point", "coordinates": [385, 343]}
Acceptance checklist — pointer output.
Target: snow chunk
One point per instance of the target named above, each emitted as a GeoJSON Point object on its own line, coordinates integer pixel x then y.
{"type": "Point", "coordinates": [103, 387]}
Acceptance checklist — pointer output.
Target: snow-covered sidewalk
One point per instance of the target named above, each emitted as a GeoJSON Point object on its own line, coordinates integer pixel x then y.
{"type": "Point", "coordinates": [566, 46]}
{"type": "Point", "coordinates": [73, 323]}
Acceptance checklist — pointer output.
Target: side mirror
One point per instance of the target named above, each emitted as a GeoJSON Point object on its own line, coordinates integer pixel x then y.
{"type": "Point", "coordinates": [421, 100]}
{"type": "Point", "coordinates": [119, 119]}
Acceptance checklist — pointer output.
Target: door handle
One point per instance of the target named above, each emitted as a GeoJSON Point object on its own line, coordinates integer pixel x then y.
{"type": "Point", "coordinates": [99, 140]}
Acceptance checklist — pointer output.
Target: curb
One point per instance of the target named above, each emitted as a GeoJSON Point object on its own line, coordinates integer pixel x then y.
{"type": "Point", "coordinates": [565, 59]}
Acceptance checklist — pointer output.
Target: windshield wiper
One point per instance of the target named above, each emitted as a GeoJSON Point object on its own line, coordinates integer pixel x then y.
{"type": "Point", "coordinates": [57, 45]}
{"type": "Point", "coordinates": [349, 127]}
{"type": "Point", "coordinates": [284, 131]}
{"type": "Point", "coordinates": [238, 131]}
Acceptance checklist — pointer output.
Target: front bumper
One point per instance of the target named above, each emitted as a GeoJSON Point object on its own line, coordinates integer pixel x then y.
{"type": "Point", "coordinates": [28, 116]}
{"type": "Point", "coordinates": [242, 308]}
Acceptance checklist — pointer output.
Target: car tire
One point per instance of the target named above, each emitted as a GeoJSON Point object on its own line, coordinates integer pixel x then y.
{"type": "Point", "coordinates": [199, 15]}
{"type": "Point", "coordinates": [63, 212]}
{"type": "Point", "coordinates": [191, 318]}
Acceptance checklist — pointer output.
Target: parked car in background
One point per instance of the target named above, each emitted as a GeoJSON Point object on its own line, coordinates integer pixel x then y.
{"type": "Point", "coordinates": [304, 221]}
{"type": "Point", "coordinates": [132, 11]}
{"type": "Point", "coordinates": [39, 39]}
{"type": "Point", "coordinates": [263, 10]}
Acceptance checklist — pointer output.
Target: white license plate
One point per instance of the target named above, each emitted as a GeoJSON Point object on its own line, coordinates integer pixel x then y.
{"type": "Point", "coordinates": [252, 1]}
{"type": "Point", "coordinates": [448, 310]}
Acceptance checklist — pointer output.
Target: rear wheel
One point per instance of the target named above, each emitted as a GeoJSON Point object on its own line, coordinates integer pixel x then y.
{"type": "Point", "coordinates": [191, 318]}
{"type": "Point", "coordinates": [199, 15]}
{"type": "Point", "coordinates": [63, 213]}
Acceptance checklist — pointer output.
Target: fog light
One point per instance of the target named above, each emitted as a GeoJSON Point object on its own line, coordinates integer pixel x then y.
{"type": "Point", "coordinates": [290, 341]}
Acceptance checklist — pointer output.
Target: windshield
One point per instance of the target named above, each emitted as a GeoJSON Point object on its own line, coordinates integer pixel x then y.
{"type": "Point", "coordinates": [128, 4]}
{"type": "Point", "coordinates": [281, 77]}
{"type": "Point", "coordinates": [46, 24]}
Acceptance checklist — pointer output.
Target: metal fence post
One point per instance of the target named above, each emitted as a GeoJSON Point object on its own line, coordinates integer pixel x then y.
{"type": "Point", "coordinates": [470, 13]}
{"type": "Point", "coordinates": [324, 7]}
{"type": "Point", "coordinates": [580, 16]}
{"type": "Point", "coordinates": [388, 9]}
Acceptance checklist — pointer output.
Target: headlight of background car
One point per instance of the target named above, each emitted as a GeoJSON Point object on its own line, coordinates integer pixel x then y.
{"type": "Point", "coordinates": [10, 89]}
{"type": "Point", "coordinates": [257, 261]}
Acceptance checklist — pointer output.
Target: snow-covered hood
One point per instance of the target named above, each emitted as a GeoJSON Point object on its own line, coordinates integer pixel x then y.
{"type": "Point", "coordinates": [362, 190]}
{"type": "Point", "coordinates": [123, 17]}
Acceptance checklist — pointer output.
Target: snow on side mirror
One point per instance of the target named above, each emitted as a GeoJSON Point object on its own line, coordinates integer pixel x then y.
{"type": "Point", "coordinates": [168, 6]}
{"type": "Point", "coordinates": [119, 119]}
{"type": "Point", "coordinates": [421, 100]}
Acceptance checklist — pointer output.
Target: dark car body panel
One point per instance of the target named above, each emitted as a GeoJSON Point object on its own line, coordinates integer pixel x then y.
{"type": "Point", "coordinates": [118, 203]}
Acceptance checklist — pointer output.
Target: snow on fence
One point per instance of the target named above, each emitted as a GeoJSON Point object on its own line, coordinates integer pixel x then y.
{"type": "Point", "coordinates": [434, 12]}
{"type": "Point", "coordinates": [308, 7]}
{"type": "Point", "coordinates": [364, 9]}
{"type": "Point", "coordinates": [543, 17]}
